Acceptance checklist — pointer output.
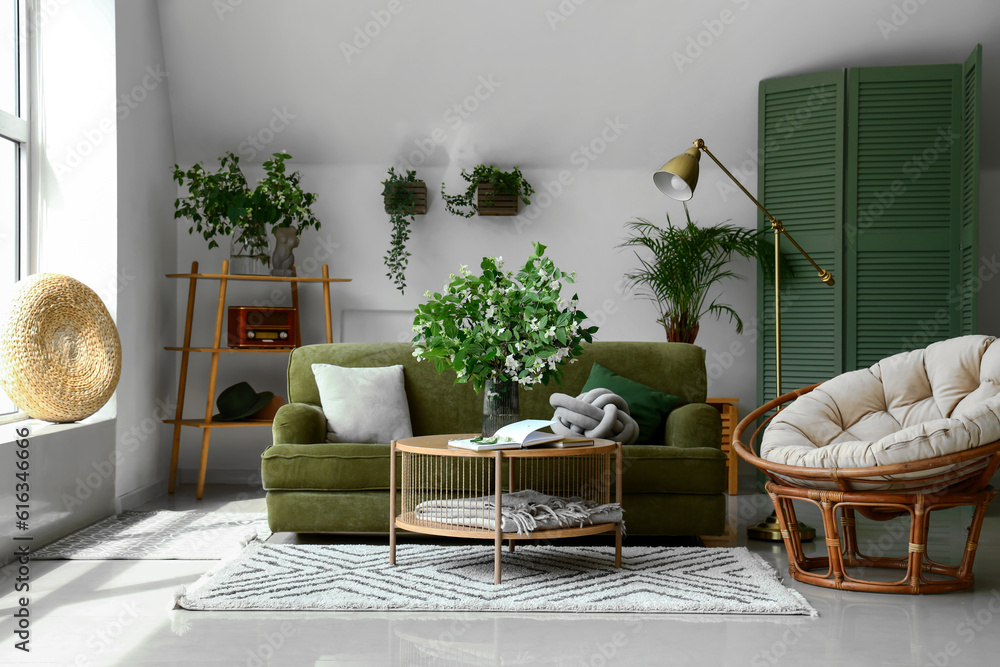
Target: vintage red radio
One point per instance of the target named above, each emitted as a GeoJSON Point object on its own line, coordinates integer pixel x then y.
{"type": "Point", "coordinates": [253, 326]}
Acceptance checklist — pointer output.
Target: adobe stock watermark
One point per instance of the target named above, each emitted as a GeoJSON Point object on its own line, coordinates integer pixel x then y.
{"type": "Point", "coordinates": [101, 472]}
{"type": "Point", "coordinates": [101, 640]}
{"type": "Point", "coordinates": [93, 137]}
{"type": "Point", "coordinates": [263, 654]}
{"type": "Point", "coordinates": [28, 24]}
{"type": "Point", "coordinates": [581, 158]}
{"type": "Point", "coordinates": [454, 117]}
{"type": "Point", "coordinates": [898, 17]}
{"type": "Point", "coordinates": [779, 647]}
{"type": "Point", "coordinates": [968, 630]}
{"type": "Point", "coordinates": [561, 14]}
{"type": "Point", "coordinates": [915, 167]}
{"type": "Point", "coordinates": [223, 7]}
{"type": "Point", "coordinates": [713, 28]}
{"type": "Point", "coordinates": [363, 35]}
{"type": "Point", "coordinates": [934, 328]}
{"type": "Point", "coordinates": [255, 143]}
{"type": "Point", "coordinates": [791, 122]}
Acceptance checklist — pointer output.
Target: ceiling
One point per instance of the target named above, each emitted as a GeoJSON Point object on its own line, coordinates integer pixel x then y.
{"type": "Point", "coordinates": [302, 76]}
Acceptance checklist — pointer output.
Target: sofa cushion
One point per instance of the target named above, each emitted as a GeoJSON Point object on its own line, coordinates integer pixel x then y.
{"type": "Point", "coordinates": [326, 467]}
{"type": "Point", "coordinates": [365, 467]}
{"type": "Point", "coordinates": [658, 469]}
{"type": "Point", "coordinates": [646, 405]}
{"type": "Point", "coordinates": [363, 404]}
{"type": "Point", "coordinates": [438, 405]}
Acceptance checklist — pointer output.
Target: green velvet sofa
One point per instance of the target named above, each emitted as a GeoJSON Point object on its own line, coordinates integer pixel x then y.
{"type": "Point", "coordinates": [673, 487]}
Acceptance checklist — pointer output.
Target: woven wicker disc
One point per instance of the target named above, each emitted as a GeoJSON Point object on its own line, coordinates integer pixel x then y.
{"type": "Point", "coordinates": [60, 356]}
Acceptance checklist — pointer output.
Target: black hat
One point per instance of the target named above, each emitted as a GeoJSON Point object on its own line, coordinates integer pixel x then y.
{"type": "Point", "coordinates": [240, 401]}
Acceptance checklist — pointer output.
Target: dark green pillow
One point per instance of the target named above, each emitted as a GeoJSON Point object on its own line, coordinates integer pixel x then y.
{"type": "Point", "coordinates": [647, 406]}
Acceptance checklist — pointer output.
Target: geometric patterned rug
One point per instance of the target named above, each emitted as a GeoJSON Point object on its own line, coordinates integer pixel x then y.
{"type": "Point", "coordinates": [536, 578]}
{"type": "Point", "coordinates": [162, 535]}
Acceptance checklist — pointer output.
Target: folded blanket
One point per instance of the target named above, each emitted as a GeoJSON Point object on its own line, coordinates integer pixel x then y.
{"type": "Point", "coordinates": [520, 512]}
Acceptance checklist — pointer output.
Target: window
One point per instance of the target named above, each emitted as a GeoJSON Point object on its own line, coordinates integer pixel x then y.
{"type": "Point", "coordinates": [13, 152]}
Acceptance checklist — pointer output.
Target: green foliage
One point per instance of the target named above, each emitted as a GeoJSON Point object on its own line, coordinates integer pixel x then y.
{"type": "Point", "coordinates": [506, 182]}
{"type": "Point", "coordinates": [220, 202]}
{"type": "Point", "coordinates": [399, 202]}
{"type": "Point", "coordinates": [502, 326]}
{"type": "Point", "coordinates": [684, 263]}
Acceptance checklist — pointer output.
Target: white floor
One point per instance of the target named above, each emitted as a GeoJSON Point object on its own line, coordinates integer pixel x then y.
{"type": "Point", "coordinates": [119, 613]}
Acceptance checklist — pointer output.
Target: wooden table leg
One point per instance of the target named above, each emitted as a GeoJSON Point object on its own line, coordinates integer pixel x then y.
{"type": "Point", "coordinates": [618, 499]}
{"type": "Point", "coordinates": [511, 461]}
{"type": "Point", "coordinates": [392, 503]}
{"type": "Point", "coordinates": [498, 540]}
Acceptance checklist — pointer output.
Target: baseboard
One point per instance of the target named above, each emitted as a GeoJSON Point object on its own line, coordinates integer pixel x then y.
{"type": "Point", "coordinates": [141, 496]}
{"type": "Point", "coordinates": [237, 477]}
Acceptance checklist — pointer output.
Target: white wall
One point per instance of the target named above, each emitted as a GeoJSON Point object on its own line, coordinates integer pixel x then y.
{"type": "Point", "coordinates": [72, 468]}
{"type": "Point", "coordinates": [147, 251]}
{"type": "Point", "coordinates": [565, 70]}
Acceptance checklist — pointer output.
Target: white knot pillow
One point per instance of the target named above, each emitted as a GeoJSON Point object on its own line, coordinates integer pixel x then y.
{"type": "Point", "coordinates": [599, 413]}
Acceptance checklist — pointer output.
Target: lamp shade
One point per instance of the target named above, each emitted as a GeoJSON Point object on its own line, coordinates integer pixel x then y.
{"type": "Point", "coordinates": [679, 177]}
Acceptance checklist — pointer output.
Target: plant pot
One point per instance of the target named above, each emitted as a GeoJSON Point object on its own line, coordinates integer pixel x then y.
{"type": "Point", "coordinates": [245, 259]}
{"type": "Point", "coordinates": [501, 405]}
{"type": "Point", "coordinates": [419, 190]}
{"type": "Point", "coordinates": [676, 334]}
{"type": "Point", "coordinates": [489, 201]}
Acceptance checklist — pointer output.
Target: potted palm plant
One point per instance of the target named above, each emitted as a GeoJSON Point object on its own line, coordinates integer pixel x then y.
{"type": "Point", "coordinates": [680, 266]}
{"type": "Point", "coordinates": [222, 204]}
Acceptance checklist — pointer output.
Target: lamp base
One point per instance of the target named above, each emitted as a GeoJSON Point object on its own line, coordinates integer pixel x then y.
{"type": "Point", "coordinates": [769, 530]}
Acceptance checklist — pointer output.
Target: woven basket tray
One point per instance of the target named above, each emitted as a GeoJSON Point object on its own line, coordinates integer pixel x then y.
{"type": "Point", "coordinates": [60, 356]}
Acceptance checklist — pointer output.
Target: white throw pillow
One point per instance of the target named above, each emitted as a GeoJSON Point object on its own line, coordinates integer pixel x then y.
{"type": "Point", "coordinates": [363, 404]}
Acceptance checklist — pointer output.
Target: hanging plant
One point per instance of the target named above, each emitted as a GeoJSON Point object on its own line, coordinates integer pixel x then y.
{"type": "Point", "coordinates": [490, 191]}
{"type": "Point", "coordinates": [405, 197]}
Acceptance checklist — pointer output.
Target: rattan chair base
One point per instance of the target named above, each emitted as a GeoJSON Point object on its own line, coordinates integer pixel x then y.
{"type": "Point", "coordinates": [964, 482]}
{"type": "Point", "coordinates": [839, 523]}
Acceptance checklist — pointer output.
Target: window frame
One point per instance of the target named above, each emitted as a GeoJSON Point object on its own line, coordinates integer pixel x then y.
{"type": "Point", "coordinates": [17, 129]}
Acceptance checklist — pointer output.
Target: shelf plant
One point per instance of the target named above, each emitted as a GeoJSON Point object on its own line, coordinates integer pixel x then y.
{"type": "Point", "coordinates": [682, 263]}
{"type": "Point", "coordinates": [222, 203]}
{"type": "Point", "coordinates": [488, 185]}
{"type": "Point", "coordinates": [404, 197]}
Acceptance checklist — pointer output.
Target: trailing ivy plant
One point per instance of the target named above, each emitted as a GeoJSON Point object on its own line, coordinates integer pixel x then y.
{"type": "Point", "coordinates": [400, 203]}
{"type": "Point", "coordinates": [221, 202]}
{"type": "Point", "coordinates": [506, 182]}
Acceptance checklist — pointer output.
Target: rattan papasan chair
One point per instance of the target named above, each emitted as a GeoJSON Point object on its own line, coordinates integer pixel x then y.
{"type": "Point", "coordinates": [917, 432]}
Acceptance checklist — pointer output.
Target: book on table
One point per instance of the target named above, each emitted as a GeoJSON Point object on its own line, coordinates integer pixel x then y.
{"type": "Point", "coordinates": [525, 433]}
{"type": "Point", "coordinates": [567, 442]}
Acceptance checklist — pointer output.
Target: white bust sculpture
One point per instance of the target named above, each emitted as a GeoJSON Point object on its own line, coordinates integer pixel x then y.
{"type": "Point", "coordinates": [282, 259]}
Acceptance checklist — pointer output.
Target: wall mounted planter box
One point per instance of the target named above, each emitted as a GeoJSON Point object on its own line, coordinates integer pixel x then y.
{"type": "Point", "coordinates": [419, 190]}
{"type": "Point", "coordinates": [491, 202]}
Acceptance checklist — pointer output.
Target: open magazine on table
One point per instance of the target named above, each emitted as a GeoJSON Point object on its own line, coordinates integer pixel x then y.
{"type": "Point", "coordinates": [525, 433]}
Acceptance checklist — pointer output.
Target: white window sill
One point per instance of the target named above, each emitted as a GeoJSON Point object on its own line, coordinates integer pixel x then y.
{"type": "Point", "coordinates": [36, 427]}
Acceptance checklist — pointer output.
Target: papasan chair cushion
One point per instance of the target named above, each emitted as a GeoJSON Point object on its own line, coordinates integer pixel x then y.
{"type": "Point", "coordinates": [909, 407]}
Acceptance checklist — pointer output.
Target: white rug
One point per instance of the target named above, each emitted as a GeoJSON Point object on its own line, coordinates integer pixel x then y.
{"type": "Point", "coordinates": [162, 535]}
{"type": "Point", "coordinates": [460, 578]}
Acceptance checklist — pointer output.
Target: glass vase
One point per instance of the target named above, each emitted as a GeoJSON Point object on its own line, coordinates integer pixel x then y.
{"type": "Point", "coordinates": [246, 260]}
{"type": "Point", "coordinates": [501, 405]}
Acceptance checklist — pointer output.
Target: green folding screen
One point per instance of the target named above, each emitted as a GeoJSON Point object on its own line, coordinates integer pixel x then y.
{"type": "Point", "coordinates": [874, 171]}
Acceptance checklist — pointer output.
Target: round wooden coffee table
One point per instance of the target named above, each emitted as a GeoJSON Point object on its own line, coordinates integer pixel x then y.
{"type": "Point", "coordinates": [430, 470]}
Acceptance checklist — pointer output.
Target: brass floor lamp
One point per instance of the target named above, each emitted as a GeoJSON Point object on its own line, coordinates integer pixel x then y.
{"type": "Point", "coordinates": [678, 179]}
